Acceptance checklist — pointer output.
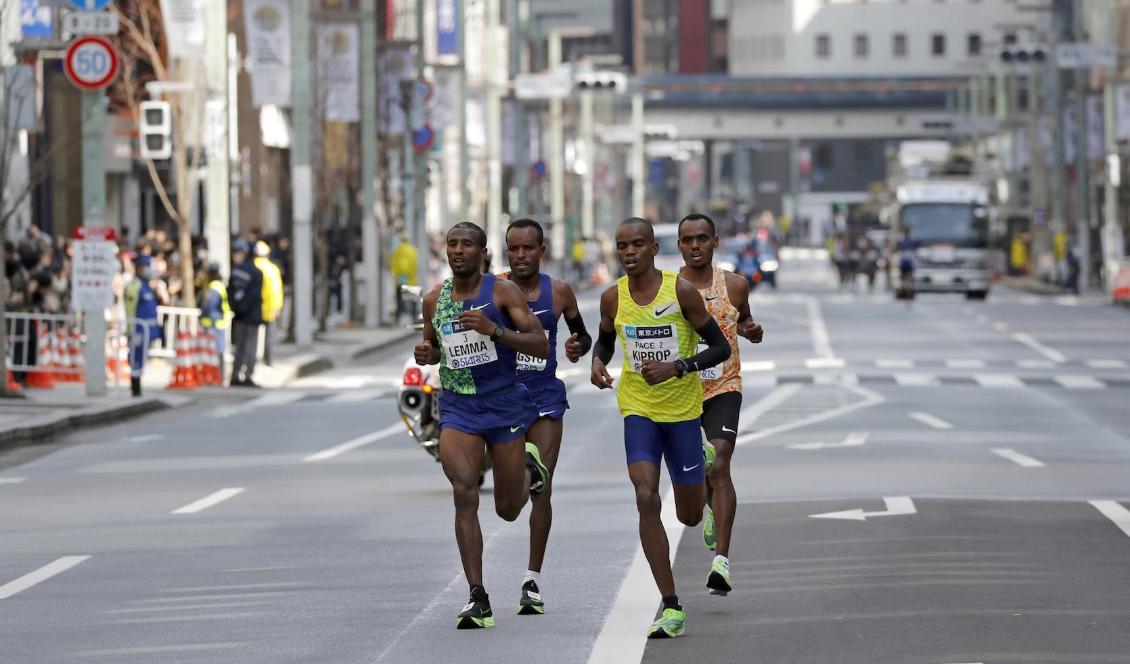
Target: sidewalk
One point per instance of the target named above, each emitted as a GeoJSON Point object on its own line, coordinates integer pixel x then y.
{"type": "Point", "coordinates": [334, 348]}
{"type": "Point", "coordinates": [1037, 287]}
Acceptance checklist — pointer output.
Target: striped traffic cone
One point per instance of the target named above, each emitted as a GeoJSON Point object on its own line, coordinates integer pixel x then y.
{"type": "Point", "coordinates": [184, 378]}
{"type": "Point", "coordinates": [41, 377]}
{"type": "Point", "coordinates": [78, 362]}
{"type": "Point", "coordinates": [199, 358]}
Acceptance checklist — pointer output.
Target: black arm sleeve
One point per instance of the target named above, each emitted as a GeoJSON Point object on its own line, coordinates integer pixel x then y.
{"type": "Point", "coordinates": [717, 348]}
{"type": "Point", "coordinates": [606, 344]}
{"type": "Point", "coordinates": [577, 327]}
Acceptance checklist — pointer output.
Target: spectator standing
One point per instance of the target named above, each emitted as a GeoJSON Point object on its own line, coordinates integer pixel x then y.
{"type": "Point", "coordinates": [272, 295]}
{"type": "Point", "coordinates": [141, 314]}
{"type": "Point", "coordinates": [215, 312]}
{"type": "Point", "coordinates": [245, 293]}
{"type": "Point", "coordinates": [404, 273]}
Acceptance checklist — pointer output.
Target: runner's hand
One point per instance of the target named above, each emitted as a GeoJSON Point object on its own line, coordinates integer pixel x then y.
{"type": "Point", "coordinates": [600, 375]}
{"type": "Point", "coordinates": [752, 331]}
{"type": "Point", "coordinates": [475, 319]}
{"type": "Point", "coordinates": [423, 353]}
{"type": "Point", "coordinates": [573, 348]}
{"type": "Point", "coordinates": [657, 372]}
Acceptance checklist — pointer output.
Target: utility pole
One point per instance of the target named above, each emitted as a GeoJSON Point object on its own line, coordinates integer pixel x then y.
{"type": "Point", "coordinates": [217, 182]}
{"type": "Point", "coordinates": [1112, 235]}
{"type": "Point", "coordinates": [93, 214]}
{"type": "Point", "coordinates": [515, 16]}
{"type": "Point", "coordinates": [408, 172]}
{"type": "Point", "coordinates": [1058, 180]}
{"type": "Point", "coordinates": [302, 173]}
{"type": "Point", "coordinates": [464, 154]}
{"type": "Point", "coordinates": [494, 127]}
{"type": "Point", "coordinates": [1082, 217]}
{"type": "Point", "coordinates": [556, 158]}
{"type": "Point", "coordinates": [420, 162]}
{"type": "Point", "coordinates": [370, 255]}
{"type": "Point", "coordinates": [588, 177]}
{"type": "Point", "coordinates": [639, 163]}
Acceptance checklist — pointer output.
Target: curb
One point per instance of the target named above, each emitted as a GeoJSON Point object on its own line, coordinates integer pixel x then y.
{"type": "Point", "coordinates": [49, 427]}
{"type": "Point", "coordinates": [378, 346]}
{"type": "Point", "coordinates": [1034, 286]}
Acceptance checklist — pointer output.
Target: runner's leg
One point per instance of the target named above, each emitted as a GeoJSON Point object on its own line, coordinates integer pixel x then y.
{"type": "Point", "coordinates": [546, 434]}
{"type": "Point", "coordinates": [653, 538]}
{"type": "Point", "coordinates": [461, 455]}
{"type": "Point", "coordinates": [511, 479]}
{"type": "Point", "coordinates": [724, 500]}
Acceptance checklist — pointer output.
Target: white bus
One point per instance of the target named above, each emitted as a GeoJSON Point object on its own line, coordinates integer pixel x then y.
{"type": "Point", "coordinates": [949, 225]}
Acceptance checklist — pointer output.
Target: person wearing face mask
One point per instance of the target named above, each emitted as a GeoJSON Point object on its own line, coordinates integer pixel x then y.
{"type": "Point", "coordinates": [141, 312]}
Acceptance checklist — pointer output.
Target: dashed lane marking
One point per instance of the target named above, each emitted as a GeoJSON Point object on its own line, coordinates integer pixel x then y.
{"type": "Point", "coordinates": [894, 364]}
{"type": "Point", "coordinates": [1022, 460]}
{"type": "Point", "coordinates": [1030, 341]}
{"type": "Point", "coordinates": [931, 421]}
{"type": "Point", "coordinates": [40, 575]}
{"type": "Point", "coordinates": [965, 364]}
{"type": "Point", "coordinates": [209, 501]}
{"type": "Point", "coordinates": [1000, 381]}
{"type": "Point", "coordinates": [12, 480]}
{"type": "Point", "coordinates": [916, 379]}
{"type": "Point", "coordinates": [1106, 364]}
{"type": "Point", "coordinates": [1115, 512]}
{"type": "Point", "coordinates": [1076, 382]}
{"type": "Point", "coordinates": [360, 441]}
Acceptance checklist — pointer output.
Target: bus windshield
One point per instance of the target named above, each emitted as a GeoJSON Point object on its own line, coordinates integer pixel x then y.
{"type": "Point", "coordinates": [959, 224]}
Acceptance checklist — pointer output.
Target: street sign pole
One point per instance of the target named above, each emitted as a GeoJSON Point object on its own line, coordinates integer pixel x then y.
{"type": "Point", "coordinates": [93, 214]}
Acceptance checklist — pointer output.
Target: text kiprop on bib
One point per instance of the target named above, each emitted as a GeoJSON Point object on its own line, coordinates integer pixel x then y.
{"type": "Point", "coordinates": [531, 363]}
{"type": "Point", "coordinates": [464, 348]}
{"type": "Point", "coordinates": [658, 343]}
{"type": "Point", "coordinates": [713, 373]}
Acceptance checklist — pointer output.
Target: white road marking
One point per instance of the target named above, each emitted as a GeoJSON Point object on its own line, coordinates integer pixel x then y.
{"type": "Point", "coordinates": [869, 399]}
{"type": "Point", "coordinates": [624, 634]}
{"type": "Point", "coordinates": [353, 396]}
{"type": "Point", "coordinates": [895, 506]}
{"type": "Point", "coordinates": [209, 501]}
{"type": "Point", "coordinates": [1000, 381]}
{"type": "Point", "coordinates": [1106, 364]}
{"type": "Point", "coordinates": [894, 364]}
{"type": "Point", "coordinates": [931, 421]}
{"type": "Point", "coordinates": [852, 440]}
{"type": "Point", "coordinates": [1022, 460]}
{"type": "Point", "coordinates": [269, 399]}
{"type": "Point", "coordinates": [762, 365]}
{"type": "Point", "coordinates": [821, 340]}
{"type": "Point", "coordinates": [1000, 327]}
{"type": "Point", "coordinates": [12, 480]}
{"type": "Point", "coordinates": [965, 364]}
{"type": "Point", "coordinates": [40, 575]}
{"type": "Point", "coordinates": [1030, 341]}
{"type": "Point", "coordinates": [823, 363]}
{"type": "Point", "coordinates": [757, 409]}
{"type": "Point", "coordinates": [1077, 382]}
{"type": "Point", "coordinates": [1035, 364]}
{"type": "Point", "coordinates": [916, 379]}
{"type": "Point", "coordinates": [1115, 512]}
{"type": "Point", "coordinates": [145, 438]}
{"type": "Point", "coordinates": [360, 441]}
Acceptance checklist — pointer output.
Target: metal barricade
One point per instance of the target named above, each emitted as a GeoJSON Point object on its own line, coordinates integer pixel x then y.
{"type": "Point", "coordinates": [173, 321]}
{"type": "Point", "coordinates": [44, 343]}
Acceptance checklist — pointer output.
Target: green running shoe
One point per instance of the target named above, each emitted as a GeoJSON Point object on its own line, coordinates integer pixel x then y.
{"type": "Point", "coordinates": [539, 474]}
{"type": "Point", "coordinates": [476, 614]}
{"type": "Point", "coordinates": [531, 603]}
{"type": "Point", "coordinates": [719, 580]}
{"type": "Point", "coordinates": [708, 455]}
{"type": "Point", "coordinates": [669, 625]}
{"type": "Point", "coordinates": [709, 534]}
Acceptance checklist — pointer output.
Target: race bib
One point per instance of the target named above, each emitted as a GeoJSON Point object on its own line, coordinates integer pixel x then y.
{"type": "Point", "coordinates": [659, 343]}
{"type": "Point", "coordinates": [464, 348]}
{"type": "Point", "coordinates": [531, 363]}
{"type": "Point", "coordinates": [714, 372]}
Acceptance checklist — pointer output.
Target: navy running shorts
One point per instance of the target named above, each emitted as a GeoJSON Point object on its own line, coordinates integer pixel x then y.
{"type": "Point", "coordinates": [678, 443]}
{"type": "Point", "coordinates": [549, 397]}
{"type": "Point", "coordinates": [498, 417]}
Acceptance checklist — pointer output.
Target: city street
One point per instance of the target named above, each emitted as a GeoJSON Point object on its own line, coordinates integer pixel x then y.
{"type": "Point", "coordinates": [940, 483]}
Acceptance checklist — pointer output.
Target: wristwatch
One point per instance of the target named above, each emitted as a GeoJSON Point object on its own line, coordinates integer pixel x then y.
{"type": "Point", "coordinates": [497, 333]}
{"type": "Point", "coordinates": [681, 368]}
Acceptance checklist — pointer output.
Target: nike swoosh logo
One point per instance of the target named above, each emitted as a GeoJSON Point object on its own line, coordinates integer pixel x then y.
{"type": "Point", "coordinates": [728, 430]}
{"type": "Point", "coordinates": [711, 298]}
{"type": "Point", "coordinates": [660, 312]}
{"type": "Point", "coordinates": [547, 413]}
{"type": "Point", "coordinates": [540, 312]}
{"type": "Point", "coordinates": [517, 428]}
{"type": "Point", "coordinates": [687, 470]}
{"type": "Point", "coordinates": [481, 306]}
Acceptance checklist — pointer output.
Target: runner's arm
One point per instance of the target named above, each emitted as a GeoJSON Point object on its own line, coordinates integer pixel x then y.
{"type": "Point", "coordinates": [606, 339]}
{"type": "Point", "coordinates": [529, 337]}
{"type": "Point", "coordinates": [738, 289]}
{"type": "Point", "coordinates": [563, 292]}
{"type": "Point", "coordinates": [427, 352]}
{"type": "Point", "coordinates": [694, 310]}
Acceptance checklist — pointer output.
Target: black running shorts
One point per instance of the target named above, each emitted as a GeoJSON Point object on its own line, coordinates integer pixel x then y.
{"type": "Point", "coordinates": [720, 416]}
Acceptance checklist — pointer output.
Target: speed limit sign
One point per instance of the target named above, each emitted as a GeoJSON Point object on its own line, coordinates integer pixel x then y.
{"type": "Point", "coordinates": [91, 63]}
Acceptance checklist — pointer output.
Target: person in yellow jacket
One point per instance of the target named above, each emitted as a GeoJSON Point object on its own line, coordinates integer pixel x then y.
{"type": "Point", "coordinates": [215, 312]}
{"type": "Point", "coordinates": [272, 294]}
{"type": "Point", "coordinates": [404, 272]}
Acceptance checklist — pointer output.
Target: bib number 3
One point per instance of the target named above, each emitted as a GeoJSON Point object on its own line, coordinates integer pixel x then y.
{"type": "Point", "coordinates": [465, 348]}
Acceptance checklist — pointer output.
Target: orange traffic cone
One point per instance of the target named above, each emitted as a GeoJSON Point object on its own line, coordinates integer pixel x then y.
{"type": "Point", "coordinates": [78, 362]}
{"type": "Point", "coordinates": [13, 386]}
{"type": "Point", "coordinates": [184, 378]}
{"type": "Point", "coordinates": [215, 367]}
{"type": "Point", "coordinates": [199, 358]}
{"type": "Point", "coordinates": [60, 356]}
{"type": "Point", "coordinates": [41, 377]}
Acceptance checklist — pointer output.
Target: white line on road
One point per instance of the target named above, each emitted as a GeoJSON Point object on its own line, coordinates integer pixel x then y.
{"type": "Point", "coordinates": [1106, 364]}
{"type": "Point", "coordinates": [869, 399]}
{"type": "Point", "coordinates": [1077, 382]}
{"type": "Point", "coordinates": [931, 421]}
{"type": "Point", "coordinates": [353, 396]}
{"type": "Point", "coordinates": [1022, 460]}
{"type": "Point", "coordinates": [209, 501]}
{"type": "Point", "coordinates": [757, 409]}
{"type": "Point", "coordinates": [12, 480]}
{"type": "Point", "coordinates": [821, 340]}
{"type": "Point", "coordinates": [965, 364]}
{"type": "Point", "coordinates": [894, 506]}
{"type": "Point", "coordinates": [1115, 512]}
{"type": "Point", "coordinates": [1035, 364]}
{"type": "Point", "coordinates": [916, 379]}
{"type": "Point", "coordinates": [894, 364]}
{"type": "Point", "coordinates": [758, 365]}
{"type": "Point", "coordinates": [1050, 353]}
{"type": "Point", "coordinates": [40, 575]}
{"type": "Point", "coordinates": [145, 438]}
{"type": "Point", "coordinates": [852, 440]}
{"type": "Point", "coordinates": [823, 363]}
{"type": "Point", "coordinates": [998, 381]}
{"type": "Point", "coordinates": [360, 441]}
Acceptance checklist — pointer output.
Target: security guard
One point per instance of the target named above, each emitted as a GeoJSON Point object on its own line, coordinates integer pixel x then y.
{"type": "Point", "coordinates": [272, 294]}
{"type": "Point", "coordinates": [141, 316]}
{"type": "Point", "coordinates": [215, 312]}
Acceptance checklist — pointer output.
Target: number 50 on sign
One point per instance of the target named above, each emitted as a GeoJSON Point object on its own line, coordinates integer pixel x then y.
{"type": "Point", "coordinates": [91, 63]}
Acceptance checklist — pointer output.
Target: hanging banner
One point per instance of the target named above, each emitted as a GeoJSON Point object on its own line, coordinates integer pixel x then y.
{"type": "Point", "coordinates": [268, 51]}
{"type": "Point", "coordinates": [337, 75]}
{"type": "Point", "coordinates": [35, 20]}
{"type": "Point", "coordinates": [184, 28]}
{"type": "Point", "coordinates": [397, 63]}
{"type": "Point", "coordinates": [447, 27]}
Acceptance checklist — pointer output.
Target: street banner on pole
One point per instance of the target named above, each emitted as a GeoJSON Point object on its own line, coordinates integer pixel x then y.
{"type": "Point", "coordinates": [447, 27]}
{"type": "Point", "coordinates": [184, 27]}
{"type": "Point", "coordinates": [1122, 111]}
{"type": "Point", "coordinates": [267, 23]}
{"type": "Point", "coordinates": [338, 75]}
{"type": "Point", "coordinates": [397, 63]}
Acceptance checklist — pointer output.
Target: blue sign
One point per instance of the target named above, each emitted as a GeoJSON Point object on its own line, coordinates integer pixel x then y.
{"type": "Point", "coordinates": [447, 27]}
{"type": "Point", "coordinates": [91, 5]}
{"type": "Point", "coordinates": [422, 138]}
{"type": "Point", "coordinates": [35, 20]}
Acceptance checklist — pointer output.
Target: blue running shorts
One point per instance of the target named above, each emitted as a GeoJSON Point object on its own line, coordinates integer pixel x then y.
{"type": "Point", "coordinates": [501, 416]}
{"type": "Point", "coordinates": [679, 443]}
{"type": "Point", "coordinates": [549, 397]}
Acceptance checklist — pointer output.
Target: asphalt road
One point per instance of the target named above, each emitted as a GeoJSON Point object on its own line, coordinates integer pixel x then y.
{"type": "Point", "coordinates": [969, 462]}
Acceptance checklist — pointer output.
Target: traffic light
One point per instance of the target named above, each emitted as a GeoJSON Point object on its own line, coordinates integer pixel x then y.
{"type": "Point", "coordinates": [601, 81]}
{"type": "Point", "coordinates": [1022, 54]}
{"type": "Point", "coordinates": [156, 130]}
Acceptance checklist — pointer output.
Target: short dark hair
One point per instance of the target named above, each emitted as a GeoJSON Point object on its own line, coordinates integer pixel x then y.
{"type": "Point", "coordinates": [698, 216]}
{"type": "Point", "coordinates": [479, 233]}
{"type": "Point", "coordinates": [526, 222]}
{"type": "Point", "coordinates": [640, 220]}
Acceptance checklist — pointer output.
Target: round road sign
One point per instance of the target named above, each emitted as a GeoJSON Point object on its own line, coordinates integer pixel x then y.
{"type": "Point", "coordinates": [90, 5]}
{"type": "Point", "coordinates": [423, 138]}
{"type": "Point", "coordinates": [91, 63]}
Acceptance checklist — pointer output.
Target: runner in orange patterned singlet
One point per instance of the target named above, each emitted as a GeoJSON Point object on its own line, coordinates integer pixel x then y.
{"type": "Point", "coordinates": [727, 299]}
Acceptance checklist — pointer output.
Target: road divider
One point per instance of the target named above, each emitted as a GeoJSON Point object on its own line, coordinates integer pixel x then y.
{"type": "Point", "coordinates": [40, 575]}
{"type": "Point", "coordinates": [931, 421]}
{"type": "Point", "coordinates": [209, 501]}
{"type": "Point", "coordinates": [895, 506]}
{"type": "Point", "coordinates": [360, 441]}
{"type": "Point", "coordinates": [1019, 459]}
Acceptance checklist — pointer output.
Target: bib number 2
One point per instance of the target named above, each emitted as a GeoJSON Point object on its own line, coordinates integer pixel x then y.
{"type": "Point", "coordinates": [657, 343]}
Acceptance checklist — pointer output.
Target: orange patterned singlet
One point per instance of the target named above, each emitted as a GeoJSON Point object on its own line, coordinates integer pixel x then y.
{"type": "Point", "coordinates": [728, 376]}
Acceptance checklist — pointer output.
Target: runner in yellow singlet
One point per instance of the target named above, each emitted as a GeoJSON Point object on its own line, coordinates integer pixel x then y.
{"type": "Point", "coordinates": [659, 319]}
{"type": "Point", "coordinates": [727, 299]}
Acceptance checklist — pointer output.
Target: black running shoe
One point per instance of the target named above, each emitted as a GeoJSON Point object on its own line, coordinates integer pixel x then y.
{"type": "Point", "coordinates": [476, 614]}
{"type": "Point", "coordinates": [531, 603]}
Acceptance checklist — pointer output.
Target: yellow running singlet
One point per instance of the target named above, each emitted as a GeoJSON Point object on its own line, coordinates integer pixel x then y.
{"type": "Point", "coordinates": [656, 331]}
